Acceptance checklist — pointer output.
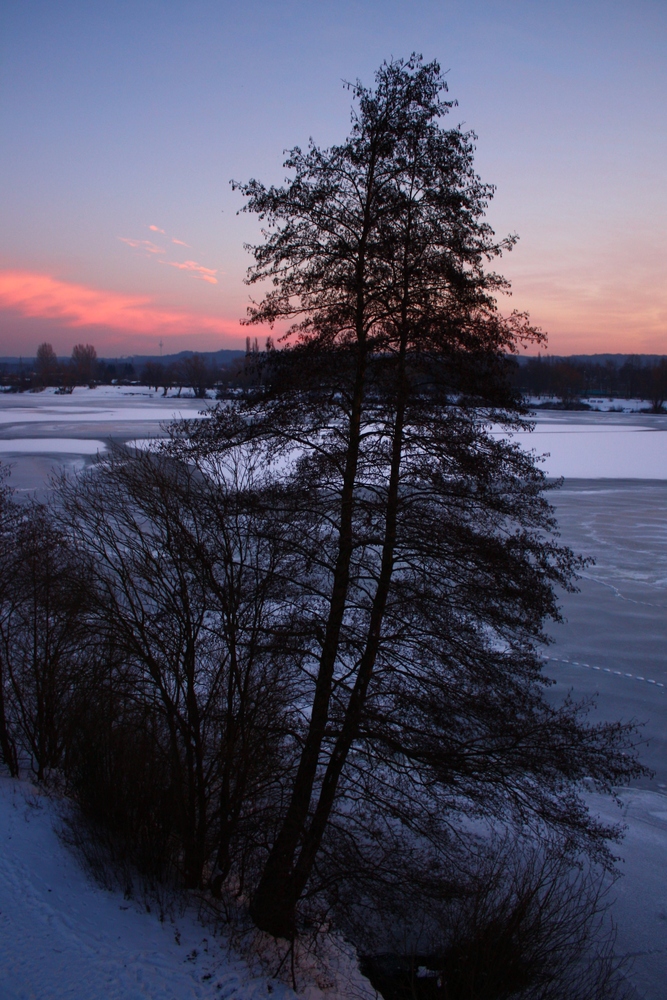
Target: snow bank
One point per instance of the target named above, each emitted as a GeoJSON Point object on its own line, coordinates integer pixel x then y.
{"type": "Point", "coordinates": [63, 937]}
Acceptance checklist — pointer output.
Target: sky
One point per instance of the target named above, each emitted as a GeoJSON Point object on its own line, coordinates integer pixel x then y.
{"type": "Point", "coordinates": [123, 123]}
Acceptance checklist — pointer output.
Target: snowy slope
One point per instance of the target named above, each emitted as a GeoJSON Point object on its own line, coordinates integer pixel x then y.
{"type": "Point", "coordinates": [63, 937]}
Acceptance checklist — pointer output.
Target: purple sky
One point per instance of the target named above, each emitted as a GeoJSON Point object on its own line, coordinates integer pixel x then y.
{"type": "Point", "coordinates": [123, 123]}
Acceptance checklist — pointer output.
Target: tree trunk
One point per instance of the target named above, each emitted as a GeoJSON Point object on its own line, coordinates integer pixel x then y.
{"type": "Point", "coordinates": [284, 880]}
{"type": "Point", "coordinates": [6, 745]}
{"type": "Point", "coordinates": [274, 904]}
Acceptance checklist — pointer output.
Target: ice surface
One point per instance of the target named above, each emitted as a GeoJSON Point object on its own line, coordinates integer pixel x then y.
{"type": "Point", "coordinates": [613, 643]}
{"type": "Point", "coordinates": [42, 432]}
{"type": "Point", "coordinates": [612, 445]}
{"type": "Point", "coordinates": [612, 648]}
{"type": "Point", "coordinates": [640, 908]}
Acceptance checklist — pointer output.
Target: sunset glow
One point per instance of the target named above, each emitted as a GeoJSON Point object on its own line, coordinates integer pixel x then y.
{"type": "Point", "coordinates": [121, 133]}
{"type": "Point", "coordinates": [73, 306]}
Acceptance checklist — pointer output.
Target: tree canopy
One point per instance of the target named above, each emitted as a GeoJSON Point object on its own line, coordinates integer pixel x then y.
{"type": "Point", "coordinates": [428, 557]}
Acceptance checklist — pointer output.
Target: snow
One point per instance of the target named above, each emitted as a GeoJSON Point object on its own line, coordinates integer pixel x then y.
{"type": "Point", "coordinates": [48, 446]}
{"type": "Point", "coordinates": [107, 403]}
{"type": "Point", "coordinates": [63, 938]}
{"type": "Point", "coordinates": [44, 431]}
{"type": "Point", "coordinates": [599, 446]}
{"type": "Point", "coordinates": [580, 444]}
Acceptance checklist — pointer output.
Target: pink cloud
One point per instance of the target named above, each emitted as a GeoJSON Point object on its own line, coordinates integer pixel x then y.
{"type": "Point", "coordinates": [72, 305]}
{"type": "Point", "coordinates": [204, 273]}
{"type": "Point", "coordinates": [142, 245]}
{"type": "Point", "coordinates": [156, 229]}
{"type": "Point", "coordinates": [180, 243]}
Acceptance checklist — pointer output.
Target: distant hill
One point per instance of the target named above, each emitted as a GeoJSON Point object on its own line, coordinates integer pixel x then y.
{"type": "Point", "coordinates": [219, 358]}
{"type": "Point", "coordinates": [223, 357]}
{"type": "Point", "coordinates": [618, 360]}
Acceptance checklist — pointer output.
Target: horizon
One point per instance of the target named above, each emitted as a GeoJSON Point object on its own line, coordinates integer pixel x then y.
{"type": "Point", "coordinates": [19, 359]}
{"type": "Point", "coordinates": [124, 126]}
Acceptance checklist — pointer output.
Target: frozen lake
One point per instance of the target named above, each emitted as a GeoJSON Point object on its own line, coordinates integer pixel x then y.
{"type": "Point", "coordinates": [38, 430]}
{"type": "Point", "coordinates": [613, 644]}
{"type": "Point", "coordinates": [612, 647]}
{"type": "Point", "coordinates": [41, 430]}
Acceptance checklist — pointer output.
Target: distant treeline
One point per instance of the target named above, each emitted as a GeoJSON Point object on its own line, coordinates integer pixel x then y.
{"type": "Point", "coordinates": [568, 380]}
{"type": "Point", "coordinates": [198, 372]}
{"type": "Point", "coordinates": [47, 369]}
{"type": "Point", "coordinates": [571, 379]}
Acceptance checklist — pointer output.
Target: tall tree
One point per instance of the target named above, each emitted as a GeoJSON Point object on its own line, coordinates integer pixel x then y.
{"type": "Point", "coordinates": [84, 358]}
{"type": "Point", "coordinates": [47, 364]}
{"type": "Point", "coordinates": [427, 563]}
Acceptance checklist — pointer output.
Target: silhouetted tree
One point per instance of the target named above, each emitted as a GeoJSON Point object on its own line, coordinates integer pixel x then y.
{"type": "Point", "coordinates": [84, 357]}
{"type": "Point", "coordinates": [658, 386]}
{"type": "Point", "coordinates": [9, 522]}
{"type": "Point", "coordinates": [177, 375]}
{"type": "Point", "coordinates": [43, 638]}
{"type": "Point", "coordinates": [198, 374]}
{"type": "Point", "coordinates": [46, 366]}
{"type": "Point", "coordinates": [186, 594]}
{"type": "Point", "coordinates": [153, 374]}
{"type": "Point", "coordinates": [569, 382]}
{"type": "Point", "coordinates": [424, 563]}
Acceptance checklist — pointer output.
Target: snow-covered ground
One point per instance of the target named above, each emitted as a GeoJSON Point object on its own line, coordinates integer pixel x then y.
{"type": "Point", "coordinates": [102, 397]}
{"type": "Point", "coordinates": [64, 938]}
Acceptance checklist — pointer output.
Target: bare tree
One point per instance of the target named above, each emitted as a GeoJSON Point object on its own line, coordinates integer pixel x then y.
{"type": "Point", "coordinates": [9, 520]}
{"type": "Point", "coordinates": [154, 374]}
{"type": "Point", "coordinates": [198, 374]}
{"type": "Point", "coordinates": [527, 924]}
{"type": "Point", "coordinates": [82, 364]}
{"type": "Point", "coordinates": [43, 638]}
{"type": "Point", "coordinates": [186, 597]}
{"type": "Point", "coordinates": [46, 364]}
{"type": "Point", "coordinates": [658, 386]}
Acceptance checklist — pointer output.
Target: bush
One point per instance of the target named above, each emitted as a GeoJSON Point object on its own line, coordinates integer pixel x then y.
{"type": "Point", "coordinates": [533, 927]}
